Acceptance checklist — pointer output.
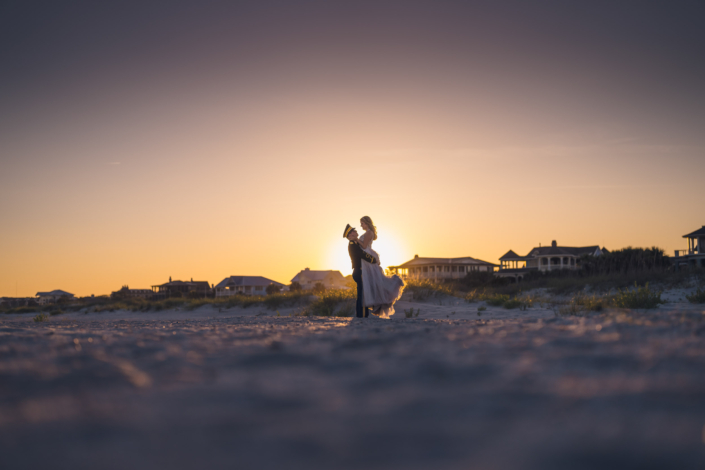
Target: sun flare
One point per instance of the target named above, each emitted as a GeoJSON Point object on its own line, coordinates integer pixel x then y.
{"type": "Point", "coordinates": [391, 249]}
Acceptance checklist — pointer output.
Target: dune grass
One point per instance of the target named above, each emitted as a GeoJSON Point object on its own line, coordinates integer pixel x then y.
{"type": "Point", "coordinates": [41, 318]}
{"type": "Point", "coordinates": [333, 302]}
{"type": "Point", "coordinates": [639, 297]}
{"type": "Point", "coordinates": [426, 289]}
{"type": "Point", "coordinates": [697, 297]}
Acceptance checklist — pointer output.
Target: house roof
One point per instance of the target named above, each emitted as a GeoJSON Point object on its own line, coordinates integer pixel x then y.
{"type": "Point", "coordinates": [316, 275]}
{"type": "Point", "coordinates": [417, 261]}
{"type": "Point", "coordinates": [54, 293]}
{"type": "Point", "coordinates": [185, 283]}
{"type": "Point", "coordinates": [510, 255]}
{"type": "Point", "coordinates": [698, 233]}
{"type": "Point", "coordinates": [562, 250]}
{"type": "Point", "coordinates": [251, 281]}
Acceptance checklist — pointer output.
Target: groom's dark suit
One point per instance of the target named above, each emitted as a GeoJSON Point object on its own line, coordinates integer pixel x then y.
{"type": "Point", "coordinates": [357, 254]}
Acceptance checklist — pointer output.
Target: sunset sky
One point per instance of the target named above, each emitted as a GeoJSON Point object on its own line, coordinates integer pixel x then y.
{"type": "Point", "coordinates": [206, 139]}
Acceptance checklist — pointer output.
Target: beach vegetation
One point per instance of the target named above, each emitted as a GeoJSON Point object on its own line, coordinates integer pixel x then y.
{"type": "Point", "coordinates": [326, 303]}
{"type": "Point", "coordinates": [318, 288]}
{"type": "Point", "coordinates": [41, 317]}
{"type": "Point", "coordinates": [272, 289]}
{"type": "Point", "coordinates": [514, 303]}
{"type": "Point", "coordinates": [697, 297]}
{"type": "Point", "coordinates": [639, 297]}
{"type": "Point", "coordinates": [497, 300]}
{"type": "Point", "coordinates": [410, 313]}
{"type": "Point", "coordinates": [426, 289]}
{"type": "Point", "coordinates": [295, 287]}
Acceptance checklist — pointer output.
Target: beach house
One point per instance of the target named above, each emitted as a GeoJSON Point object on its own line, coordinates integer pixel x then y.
{"type": "Point", "coordinates": [544, 258]}
{"type": "Point", "coordinates": [438, 269]}
{"type": "Point", "coordinates": [247, 285]}
{"type": "Point", "coordinates": [53, 296]}
{"type": "Point", "coordinates": [182, 289]}
{"type": "Point", "coordinates": [329, 279]}
{"type": "Point", "coordinates": [694, 256]}
{"type": "Point", "coordinates": [126, 293]}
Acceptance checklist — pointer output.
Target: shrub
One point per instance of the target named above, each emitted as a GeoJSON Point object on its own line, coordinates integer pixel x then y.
{"type": "Point", "coordinates": [295, 287]}
{"type": "Point", "coordinates": [41, 317]}
{"type": "Point", "coordinates": [272, 289]}
{"type": "Point", "coordinates": [497, 300]}
{"type": "Point", "coordinates": [23, 310]}
{"type": "Point", "coordinates": [424, 289]}
{"type": "Point", "coordinates": [327, 302]}
{"type": "Point", "coordinates": [581, 304]}
{"type": "Point", "coordinates": [697, 297]}
{"type": "Point", "coordinates": [319, 288]}
{"type": "Point", "coordinates": [513, 303]}
{"type": "Point", "coordinates": [625, 261]}
{"type": "Point", "coordinates": [476, 279]}
{"type": "Point", "coordinates": [410, 313]}
{"type": "Point", "coordinates": [166, 304]}
{"type": "Point", "coordinates": [571, 308]}
{"type": "Point", "coordinates": [477, 295]}
{"type": "Point", "coordinates": [640, 297]}
{"type": "Point", "coordinates": [285, 299]}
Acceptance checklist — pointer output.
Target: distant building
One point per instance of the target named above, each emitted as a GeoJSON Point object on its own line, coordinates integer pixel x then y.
{"type": "Point", "coordinates": [53, 296]}
{"type": "Point", "coordinates": [694, 256]}
{"type": "Point", "coordinates": [247, 285]}
{"type": "Point", "coordinates": [182, 289]}
{"type": "Point", "coordinates": [439, 269]}
{"type": "Point", "coordinates": [330, 279]}
{"type": "Point", "coordinates": [128, 293]}
{"type": "Point", "coordinates": [544, 258]}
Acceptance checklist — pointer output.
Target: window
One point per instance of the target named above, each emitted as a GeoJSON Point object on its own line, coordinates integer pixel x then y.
{"type": "Point", "coordinates": [461, 269]}
{"type": "Point", "coordinates": [447, 269]}
{"type": "Point", "coordinates": [432, 268]}
{"type": "Point", "coordinates": [455, 269]}
{"type": "Point", "coordinates": [425, 269]}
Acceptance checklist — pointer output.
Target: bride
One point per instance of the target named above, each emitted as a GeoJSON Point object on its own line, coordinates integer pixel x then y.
{"type": "Point", "coordinates": [379, 290]}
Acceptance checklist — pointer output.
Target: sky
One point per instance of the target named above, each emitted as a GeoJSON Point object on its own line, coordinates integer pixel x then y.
{"type": "Point", "coordinates": [143, 140]}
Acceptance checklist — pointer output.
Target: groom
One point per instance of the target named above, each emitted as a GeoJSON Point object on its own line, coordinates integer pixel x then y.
{"type": "Point", "coordinates": [357, 254]}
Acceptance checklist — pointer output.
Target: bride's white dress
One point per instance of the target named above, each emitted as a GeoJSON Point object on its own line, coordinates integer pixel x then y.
{"type": "Point", "coordinates": [379, 290]}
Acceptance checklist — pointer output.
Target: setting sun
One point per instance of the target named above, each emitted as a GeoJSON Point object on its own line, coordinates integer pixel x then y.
{"type": "Point", "coordinates": [391, 249]}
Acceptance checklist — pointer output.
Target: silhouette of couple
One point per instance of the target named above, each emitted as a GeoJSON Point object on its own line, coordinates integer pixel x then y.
{"type": "Point", "coordinates": [376, 292]}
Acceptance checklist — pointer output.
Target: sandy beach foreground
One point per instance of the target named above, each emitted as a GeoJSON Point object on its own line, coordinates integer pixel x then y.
{"type": "Point", "coordinates": [246, 388]}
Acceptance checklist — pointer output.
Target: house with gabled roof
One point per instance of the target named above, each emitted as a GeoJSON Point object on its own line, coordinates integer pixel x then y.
{"type": "Point", "coordinates": [53, 296]}
{"type": "Point", "coordinates": [126, 293]}
{"type": "Point", "coordinates": [244, 285]}
{"type": "Point", "coordinates": [544, 258]}
{"type": "Point", "coordinates": [182, 288]}
{"type": "Point", "coordinates": [329, 279]}
{"type": "Point", "coordinates": [694, 256]}
{"type": "Point", "coordinates": [438, 269]}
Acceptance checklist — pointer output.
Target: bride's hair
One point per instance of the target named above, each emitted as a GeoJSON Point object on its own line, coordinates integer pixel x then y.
{"type": "Point", "coordinates": [368, 221]}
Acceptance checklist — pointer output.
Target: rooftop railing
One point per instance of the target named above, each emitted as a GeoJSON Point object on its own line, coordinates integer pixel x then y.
{"type": "Point", "coordinates": [686, 252]}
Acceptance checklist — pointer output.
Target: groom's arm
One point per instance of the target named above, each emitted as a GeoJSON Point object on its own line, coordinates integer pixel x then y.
{"type": "Point", "coordinates": [363, 254]}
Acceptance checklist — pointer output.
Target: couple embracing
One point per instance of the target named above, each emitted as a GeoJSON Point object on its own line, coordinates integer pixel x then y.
{"type": "Point", "coordinates": [376, 292]}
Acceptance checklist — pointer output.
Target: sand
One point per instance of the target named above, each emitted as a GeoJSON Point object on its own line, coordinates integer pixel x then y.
{"type": "Point", "coordinates": [449, 389]}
